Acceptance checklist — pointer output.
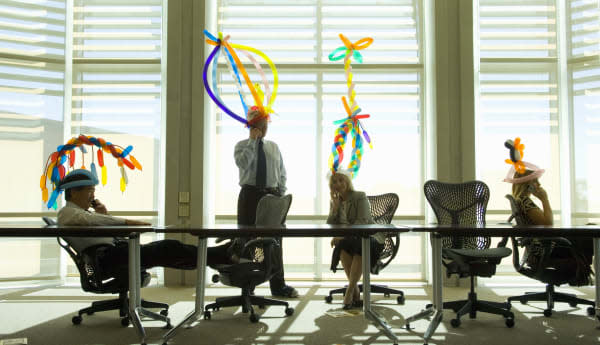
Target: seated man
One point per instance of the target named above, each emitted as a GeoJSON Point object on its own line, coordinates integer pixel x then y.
{"type": "Point", "coordinates": [79, 187]}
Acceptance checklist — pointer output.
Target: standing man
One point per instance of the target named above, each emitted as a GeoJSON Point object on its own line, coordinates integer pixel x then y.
{"type": "Point", "coordinates": [261, 172]}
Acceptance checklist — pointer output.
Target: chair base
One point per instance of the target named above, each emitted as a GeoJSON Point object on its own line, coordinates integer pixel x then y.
{"type": "Point", "coordinates": [121, 304]}
{"type": "Point", "coordinates": [246, 301]}
{"type": "Point", "coordinates": [550, 296]}
{"type": "Point", "coordinates": [472, 305]}
{"type": "Point", "coordinates": [383, 289]}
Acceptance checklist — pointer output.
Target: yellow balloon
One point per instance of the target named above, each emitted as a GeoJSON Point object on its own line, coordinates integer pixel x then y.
{"type": "Point", "coordinates": [104, 175]}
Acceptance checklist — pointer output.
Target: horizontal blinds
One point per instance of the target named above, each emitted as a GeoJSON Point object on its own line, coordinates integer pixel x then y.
{"type": "Point", "coordinates": [584, 16]}
{"type": "Point", "coordinates": [517, 29]}
{"type": "Point", "coordinates": [117, 29]}
{"type": "Point", "coordinates": [32, 29]}
{"type": "Point", "coordinates": [307, 31]}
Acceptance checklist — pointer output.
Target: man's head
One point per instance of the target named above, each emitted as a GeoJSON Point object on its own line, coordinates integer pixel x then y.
{"type": "Point", "coordinates": [257, 119]}
{"type": "Point", "coordinates": [79, 186]}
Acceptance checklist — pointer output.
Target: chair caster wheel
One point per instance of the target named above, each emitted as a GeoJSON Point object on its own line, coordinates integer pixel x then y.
{"type": "Point", "coordinates": [427, 306]}
{"type": "Point", "coordinates": [328, 299]}
{"type": "Point", "coordinates": [217, 308]}
{"type": "Point", "coordinates": [455, 322]}
{"type": "Point", "coordinates": [289, 311]}
{"type": "Point", "coordinates": [472, 315]}
{"type": "Point", "coordinates": [400, 299]}
{"type": "Point", "coordinates": [523, 302]}
{"type": "Point", "coordinates": [407, 326]}
{"type": "Point", "coordinates": [207, 315]}
{"type": "Point", "coordinates": [509, 322]}
{"type": "Point", "coordinates": [215, 278]}
{"type": "Point", "coordinates": [164, 312]}
{"type": "Point", "coordinates": [386, 295]}
{"type": "Point", "coordinates": [125, 321]}
{"type": "Point", "coordinates": [76, 320]}
{"type": "Point", "coordinates": [254, 318]}
{"type": "Point", "coordinates": [572, 304]}
{"type": "Point", "coordinates": [547, 312]}
{"type": "Point", "coordinates": [591, 311]}
{"type": "Point", "coordinates": [168, 326]}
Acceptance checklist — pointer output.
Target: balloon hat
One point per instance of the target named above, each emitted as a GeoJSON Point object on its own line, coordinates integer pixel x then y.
{"type": "Point", "coordinates": [236, 68]}
{"type": "Point", "coordinates": [63, 159]}
{"type": "Point", "coordinates": [351, 124]}
{"type": "Point", "coordinates": [518, 165]}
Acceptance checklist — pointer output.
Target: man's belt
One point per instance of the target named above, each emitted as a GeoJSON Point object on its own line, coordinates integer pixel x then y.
{"type": "Point", "coordinates": [265, 190]}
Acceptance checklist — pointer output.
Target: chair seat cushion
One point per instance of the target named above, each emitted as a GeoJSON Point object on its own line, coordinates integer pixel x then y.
{"type": "Point", "coordinates": [482, 253]}
{"type": "Point", "coordinates": [242, 274]}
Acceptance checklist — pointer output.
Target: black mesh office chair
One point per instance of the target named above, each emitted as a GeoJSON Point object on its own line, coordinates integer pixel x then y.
{"type": "Point", "coordinates": [546, 269]}
{"type": "Point", "coordinates": [465, 204]}
{"type": "Point", "coordinates": [92, 280]}
{"type": "Point", "coordinates": [258, 263]}
{"type": "Point", "coordinates": [383, 208]}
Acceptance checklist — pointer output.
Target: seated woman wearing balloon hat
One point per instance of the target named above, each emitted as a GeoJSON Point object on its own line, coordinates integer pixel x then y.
{"type": "Point", "coordinates": [348, 206]}
{"type": "Point", "coordinates": [524, 177]}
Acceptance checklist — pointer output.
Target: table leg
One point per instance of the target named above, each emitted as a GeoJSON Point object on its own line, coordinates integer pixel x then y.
{"type": "Point", "coordinates": [596, 270]}
{"type": "Point", "coordinates": [369, 313]}
{"type": "Point", "coordinates": [200, 282]}
{"type": "Point", "coordinates": [134, 286]}
{"type": "Point", "coordinates": [135, 299]}
{"type": "Point", "coordinates": [437, 306]}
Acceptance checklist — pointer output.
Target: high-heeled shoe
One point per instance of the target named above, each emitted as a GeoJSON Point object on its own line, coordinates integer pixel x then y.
{"type": "Point", "coordinates": [347, 306]}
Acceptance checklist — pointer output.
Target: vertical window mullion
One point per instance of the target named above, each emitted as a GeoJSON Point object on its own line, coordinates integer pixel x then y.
{"type": "Point", "coordinates": [564, 118]}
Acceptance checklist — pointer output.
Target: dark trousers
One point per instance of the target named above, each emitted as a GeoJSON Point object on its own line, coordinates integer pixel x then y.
{"type": "Point", "coordinates": [246, 215]}
{"type": "Point", "coordinates": [114, 260]}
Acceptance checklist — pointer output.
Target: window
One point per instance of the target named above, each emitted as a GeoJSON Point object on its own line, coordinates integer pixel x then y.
{"type": "Point", "coordinates": [67, 68]}
{"type": "Point", "coordinates": [584, 88]}
{"type": "Point", "coordinates": [518, 94]}
{"type": "Point", "coordinates": [298, 37]}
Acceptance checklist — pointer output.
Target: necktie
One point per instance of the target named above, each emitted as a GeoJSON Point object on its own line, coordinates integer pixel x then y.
{"type": "Point", "coordinates": [261, 166]}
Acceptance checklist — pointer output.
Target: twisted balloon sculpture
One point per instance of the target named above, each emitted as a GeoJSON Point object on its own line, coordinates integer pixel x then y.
{"type": "Point", "coordinates": [64, 158]}
{"type": "Point", "coordinates": [351, 124]}
{"type": "Point", "coordinates": [236, 68]}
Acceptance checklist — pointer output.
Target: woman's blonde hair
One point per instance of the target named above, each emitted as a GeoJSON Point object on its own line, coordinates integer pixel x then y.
{"type": "Point", "coordinates": [520, 190]}
{"type": "Point", "coordinates": [346, 178]}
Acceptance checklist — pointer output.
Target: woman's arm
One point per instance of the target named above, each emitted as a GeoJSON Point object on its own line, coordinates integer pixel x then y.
{"type": "Point", "coordinates": [537, 216]}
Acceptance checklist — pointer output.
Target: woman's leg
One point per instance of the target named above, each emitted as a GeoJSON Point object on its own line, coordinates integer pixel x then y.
{"type": "Point", "coordinates": [355, 274]}
{"type": "Point", "coordinates": [346, 260]}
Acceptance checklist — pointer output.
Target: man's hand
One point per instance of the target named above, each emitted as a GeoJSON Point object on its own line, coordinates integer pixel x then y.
{"type": "Point", "coordinates": [99, 207]}
{"type": "Point", "coordinates": [135, 222]}
{"type": "Point", "coordinates": [255, 133]}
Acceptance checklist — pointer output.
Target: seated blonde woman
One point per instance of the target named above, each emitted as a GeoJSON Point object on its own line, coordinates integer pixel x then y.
{"type": "Point", "coordinates": [350, 207]}
{"type": "Point", "coordinates": [524, 185]}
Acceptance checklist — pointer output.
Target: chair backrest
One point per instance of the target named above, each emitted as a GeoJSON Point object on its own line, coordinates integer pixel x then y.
{"type": "Point", "coordinates": [272, 210]}
{"type": "Point", "coordinates": [86, 264]}
{"type": "Point", "coordinates": [459, 204]}
{"type": "Point", "coordinates": [383, 208]}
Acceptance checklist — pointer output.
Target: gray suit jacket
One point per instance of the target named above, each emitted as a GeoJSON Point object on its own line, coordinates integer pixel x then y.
{"type": "Point", "coordinates": [358, 212]}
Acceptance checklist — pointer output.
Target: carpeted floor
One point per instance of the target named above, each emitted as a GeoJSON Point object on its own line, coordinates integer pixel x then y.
{"type": "Point", "coordinates": [43, 316]}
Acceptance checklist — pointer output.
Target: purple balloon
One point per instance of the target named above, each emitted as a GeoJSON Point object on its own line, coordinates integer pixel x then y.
{"type": "Point", "coordinates": [212, 95]}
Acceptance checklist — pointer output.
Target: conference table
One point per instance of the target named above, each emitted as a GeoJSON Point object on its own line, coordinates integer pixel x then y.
{"type": "Point", "coordinates": [437, 232]}
{"type": "Point", "coordinates": [309, 230]}
{"type": "Point", "coordinates": [131, 233]}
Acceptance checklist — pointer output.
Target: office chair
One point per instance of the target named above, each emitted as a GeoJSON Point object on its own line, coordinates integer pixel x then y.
{"type": "Point", "coordinates": [383, 208]}
{"type": "Point", "coordinates": [546, 269]}
{"type": "Point", "coordinates": [83, 252]}
{"type": "Point", "coordinates": [257, 265]}
{"type": "Point", "coordinates": [465, 204]}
